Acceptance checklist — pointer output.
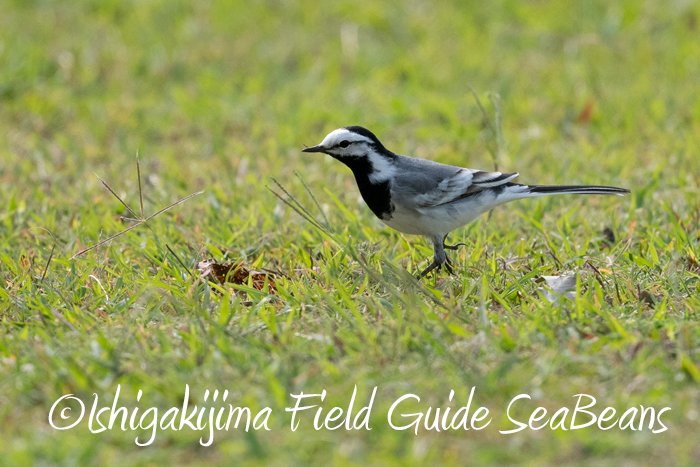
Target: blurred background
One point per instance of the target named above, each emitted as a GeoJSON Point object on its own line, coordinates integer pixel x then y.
{"type": "Point", "coordinates": [198, 87]}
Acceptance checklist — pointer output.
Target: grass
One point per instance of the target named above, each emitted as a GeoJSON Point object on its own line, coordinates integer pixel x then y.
{"type": "Point", "coordinates": [220, 96]}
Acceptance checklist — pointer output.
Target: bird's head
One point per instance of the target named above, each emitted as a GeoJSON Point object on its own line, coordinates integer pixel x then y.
{"type": "Point", "coordinates": [351, 142]}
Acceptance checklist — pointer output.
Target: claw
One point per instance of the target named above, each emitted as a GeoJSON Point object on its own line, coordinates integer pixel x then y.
{"type": "Point", "coordinates": [451, 247]}
{"type": "Point", "coordinates": [448, 266]}
{"type": "Point", "coordinates": [438, 266]}
{"type": "Point", "coordinates": [430, 267]}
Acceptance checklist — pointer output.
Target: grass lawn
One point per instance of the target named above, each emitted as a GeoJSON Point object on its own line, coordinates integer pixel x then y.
{"type": "Point", "coordinates": [220, 96]}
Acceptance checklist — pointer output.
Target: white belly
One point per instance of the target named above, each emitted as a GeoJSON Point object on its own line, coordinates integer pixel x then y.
{"type": "Point", "coordinates": [439, 220]}
{"type": "Point", "coordinates": [412, 223]}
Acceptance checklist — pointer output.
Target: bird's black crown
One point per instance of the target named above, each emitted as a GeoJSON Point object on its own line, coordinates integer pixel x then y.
{"type": "Point", "coordinates": [367, 134]}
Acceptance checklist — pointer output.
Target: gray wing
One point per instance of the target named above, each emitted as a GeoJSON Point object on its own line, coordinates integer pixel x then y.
{"type": "Point", "coordinates": [422, 183]}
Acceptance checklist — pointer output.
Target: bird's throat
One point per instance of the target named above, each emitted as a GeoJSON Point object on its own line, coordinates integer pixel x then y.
{"type": "Point", "coordinates": [373, 176]}
{"type": "Point", "coordinates": [376, 195]}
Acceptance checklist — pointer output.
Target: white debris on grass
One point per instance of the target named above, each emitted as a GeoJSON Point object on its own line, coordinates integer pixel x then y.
{"type": "Point", "coordinates": [559, 286]}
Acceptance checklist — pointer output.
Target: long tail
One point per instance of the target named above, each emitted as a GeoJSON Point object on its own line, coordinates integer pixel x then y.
{"type": "Point", "coordinates": [512, 191]}
{"type": "Point", "coordinates": [535, 190]}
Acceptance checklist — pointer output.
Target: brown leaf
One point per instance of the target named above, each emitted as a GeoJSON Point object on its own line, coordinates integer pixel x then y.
{"type": "Point", "coordinates": [235, 273]}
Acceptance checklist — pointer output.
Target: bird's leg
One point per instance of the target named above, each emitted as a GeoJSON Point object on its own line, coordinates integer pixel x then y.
{"type": "Point", "coordinates": [451, 247]}
{"type": "Point", "coordinates": [439, 259]}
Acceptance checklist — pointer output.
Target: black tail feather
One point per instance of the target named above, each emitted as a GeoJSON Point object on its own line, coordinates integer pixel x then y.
{"type": "Point", "coordinates": [579, 189]}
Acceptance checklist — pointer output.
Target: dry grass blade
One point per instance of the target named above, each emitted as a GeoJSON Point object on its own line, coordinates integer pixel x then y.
{"type": "Point", "coordinates": [138, 171]}
{"type": "Point", "coordinates": [60, 317]}
{"type": "Point", "coordinates": [136, 225]}
{"type": "Point", "coordinates": [554, 257]}
{"type": "Point", "coordinates": [46, 269]}
{"type": "Point", "coordinates": [297, 203]}
{"type": "Point", "coordinates": [308, 190]}
{"type": "Point", "coordinates": [81, 252]}
{"type": "Point", "coordinates": [298, 211]}
{"type": "Point", "coordinates": [55, 240]}
{"type": "Point", "coordinates": [296, 206]}
{"type": "Point", "coordinates": [598, 275]}
{"type": "Point", "coordinates": [139, 221]}
{"type": "Point", "coordinates": [614, 260]}
{"type": "Point", "coordinates": [173, 205]}
{"type": "Point", "coordinates": [116, 196]}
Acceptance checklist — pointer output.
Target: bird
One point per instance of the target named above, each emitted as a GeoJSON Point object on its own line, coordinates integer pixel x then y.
{"type": "Point", "coordinates": [423, 197]}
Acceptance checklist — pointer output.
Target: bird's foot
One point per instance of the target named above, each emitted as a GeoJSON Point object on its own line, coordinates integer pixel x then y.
{"type": "Point", "coordinates": [430, 267]}
{"type": "Point", "coordinates": [448, 266]}
{"type": "Point", "coordinates": [453, 247]}
{"type": "Point", "coordinates": [438, 266]}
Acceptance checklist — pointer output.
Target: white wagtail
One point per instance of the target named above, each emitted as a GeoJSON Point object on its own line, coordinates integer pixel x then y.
{"type": "Point", "coordinates": [422, 197]}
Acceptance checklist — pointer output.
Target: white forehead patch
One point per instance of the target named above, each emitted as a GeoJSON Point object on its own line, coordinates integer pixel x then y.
{"type": "Point", "coordinates": [341, 134]}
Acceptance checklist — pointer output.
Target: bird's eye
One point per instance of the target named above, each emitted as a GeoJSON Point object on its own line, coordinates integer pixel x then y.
{"type": "Point", "coordinates": [344, 144]}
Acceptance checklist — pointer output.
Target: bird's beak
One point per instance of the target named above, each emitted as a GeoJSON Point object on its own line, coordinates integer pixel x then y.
{"type": "Point", "coordinates": [314, 149]}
